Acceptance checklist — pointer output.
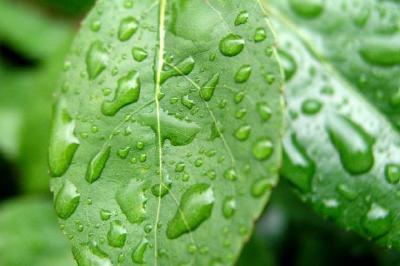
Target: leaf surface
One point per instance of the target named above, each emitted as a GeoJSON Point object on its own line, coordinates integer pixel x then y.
{"type": "Point", "coordinates": [166, 146]}
{"type": "Point", "coordinates": [342, 148]}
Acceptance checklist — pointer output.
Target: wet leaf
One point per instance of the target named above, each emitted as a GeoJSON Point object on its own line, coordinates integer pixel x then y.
{"type": "Point", "coordinates": [342, 148]}
{"type": "Point", "coordinates": [167, 145]}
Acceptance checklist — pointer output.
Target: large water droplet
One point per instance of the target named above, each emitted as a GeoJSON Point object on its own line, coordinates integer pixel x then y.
{"type": "Point", "coordinates": [179, 132]}
{"type": "Point", "coordinates": [183, 68]}
{"type": "Point", "coordinates": [243, 74]}
{"type": "Point", "coordinates": [231, 45]}
{"type": "Point", "coordinates": [132, 201]}
{"type": "Point", "coordinates": [97, 164]}
{"type": "Point", "coordinates": [67, 200]}
{"type": "Point", "coordinates": [377, 221]}
{"type": "Point", "coordinates": [90, 255]}
{"type": "Point", "coordinates": [127, 28]}
{"type": "Point", "coordinates": [96, 60]}
{"type": "Point", "coordinates": [195, 207]}
{"type": "Point", "coordinates": [207, 91]}
{"type": "Point", "coordinates": [139, 252]}
{"type": "Point", "coordinates": [384, 51]}
{"type": "Point", "coordinates": [263, 149]}
{"type": "Point", "coordinates": [63, 143]}
{"type": "Point", "coordinates": [353, 144]}
{"type": "Point", "coordinates": [307, 8]}
{"type": "Point", "coordinates": [117, 234]}
{"type": "Point", "coordinates": [229, 207]}
{"type": "Point", "coordinates": [128, 91]}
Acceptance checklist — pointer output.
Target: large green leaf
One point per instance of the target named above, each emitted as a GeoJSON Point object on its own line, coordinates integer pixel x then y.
{"type": "Point", "coordinates": [341, 151]}
{"type": "Point", "coordinates": [29, 234]}
{"type": "Point", "coordinates": [167, 140]}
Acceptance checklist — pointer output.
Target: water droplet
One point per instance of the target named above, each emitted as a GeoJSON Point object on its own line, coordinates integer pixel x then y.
{"type": "Point", "coordinates": [139, 252]}
{"type": "Point", "coordinates": [180, 167]}
{"type": "Point", "coordinates": [90, 255]}
{"type": "Point", "coordinates": [240, 113]}
{"type": "Point", "coordinates": [63, 143]}
{"type": "Point", "coordinates": [127, 28]}
{"type": "Point", "coordinates": [124, 152]}
{"type": "Point", "coordinates": [195, 208]}
{"type": "Point", "coordinates": [231, 45]}
{"type": "Point", "coordinates": [383, 52]}
{"type": "Point", "coordinates": [105, 215]}
{"type": "Point", "coordinates": [230, 174]}
{"type": "Point", "coordinates": [311, 106]}
{"type": "Point", "coordinates": [229, 207]}
{"type": "Point", "coordinates": [263, 149]}
{"type": "Point", "coordinates": [128, 91]}
{"type": "Point", "coordinates": [67, 200]}
{"type": "Point", "coordinates": [187, 102]}
{"type": "Point", "coordinates": [347, 192]}
{"type": "Point", "coordinates": [260, 35]}
{"type": "Point", "coordinates": [260, 187]}
{"type": "Point", "coordinates": [298, 168]}
{"type": "Point", "coordinates": [307, 8]}
{"type": "Point", "coordinates": [163, 189]}
{"type": "Point", "coordinates": [183, 68]}
{"type": "Point", "coordinates": [97, 164]}
{"type": "Point", "coordinates": [139, 54]}
{"type": "Point", "coordinates": [96, 60]}
{"type": "Point", "coordinates": [242, 18]}
{"type": "Point", "coordinates": [243, 74]}
{"type": "Point", "coordinates": [288, 64]}
{"type": "Point", "coordinates": [95, 26]}
{"type": "Point", "coordinates": [353, 144]}
{"type": "Point", "coordinates": [243, 132]}
{"type": "Point", "coordinates": [132, 201]}
{"type": "Point", "coordinates": [264, 111]}
{"type": "Point", "coordinates": [117, 234]}
{"type": "Point", "coordinates": [392, 173]}
{"type": "Point", "coordinates": [207, 91]}
{"type": "Point", "coordinates": [179, 132]}
{"type": "Point", "coordinates": [377, 221]}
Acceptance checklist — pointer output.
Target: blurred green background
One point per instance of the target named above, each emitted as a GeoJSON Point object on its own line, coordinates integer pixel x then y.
{"type": "Point", "coordinates": [34, 37]}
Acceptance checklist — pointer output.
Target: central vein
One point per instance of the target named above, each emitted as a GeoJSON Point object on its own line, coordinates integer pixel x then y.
{"type": "Point", "coordinates": [157, 91]}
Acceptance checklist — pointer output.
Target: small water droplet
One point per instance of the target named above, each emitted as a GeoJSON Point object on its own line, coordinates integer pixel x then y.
{"type": "Point", "coordinates": [243, 74]}
{"type": "Point", "coordinates": [97, 164]}
{"type": "Point", "coordinates": [195, 208]}
{"type": "Point", "coordinates": [229, 207]}
{"type": "Point", "coordinates": [124, 152]}
{"type": "Point", "coordinates": [264, 111]}
{"type": "Point", "coordinates": [377, 221]}
{"type": "Point", "coordinates": [187, 102]}
{"type": "Point", "coordinates": [288, 64]}
{"type": "Point", "coordinates": [67, 200]}
{"type": "Point", "coordinates": [347, 192]}
{"type": "Point", "coordinates": [260, 187]}
{"type": "Point", "coordinates": [117, 234]}
{"type": "Point", "coordinates": [207, 90]}
{"type": "Point", "coordinates": [392, 173]}
{"type": "Point", "coordinates": [242, 18]}
{"type": "Point", "coordinates": [183, 68]}
{"type": "Point", "coordinates": [127, 28]}
{"type": "Point", "coordinates": [90, 255]}
{"type": "Point", "coordinates": [311, 106]}
{"type": "Point", "coordinates": [260, 35]}
{"type": "Point", "coordinates": [96, 60]}
{"type": "Point", "coordinates": [243, 132]}
{"type": "Point", "coordinates": [105, 215]}
{"type": "Point", "coordinates": [231, 45]}
{"type": "Point", "coordinates": [128, 91]}
{"type": "Point", "coordinates": [139, 54]}
{"type": "Point", "coordinates": [230, 174]}
{"type": "Point", "coordinates": [307, 8]}
{"type": "Point", "coordinates": [95, 26]}
{"type": "Point", "coordinates": [132, 201]}
{"type": "Point", "coordinates": [263, 149]}
{"type": "Point", "coordinates": [139, 252]}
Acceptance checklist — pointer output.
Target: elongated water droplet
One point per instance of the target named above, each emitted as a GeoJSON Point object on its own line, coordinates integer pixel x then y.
{"type": "Point", "coordinates": [139, 252]}
{"type": "Point", "coordinates": [264, 111]}
{"type": "Point", "coordinates": [178, 132]}
{"type": "Point", "coordinates": [384, 51]}
{"type": "Point", "coordinates": [96, 60]}
{"type": "Point", "coordinates": [132, 201]}
{"type": "Point", "coordinates": [260, 187]}
{"type": "Point", "coordinates": [243, 132]}
{"type": "Point", "coordinates": [377, 221]}
{"type": "Point", "coordinates": [311, 106]}
{"type": "Point", "coordinates": [307, 8]}
{"type": "Point", "coordinates": [392, 173]}
{"type": "Point", "coordinates": [288, 64]}
{"type": "Point", "coordinates": [116, 234]}
{"type": "Point", "coordinates": [260, 35]}
{"type": "Point", "coordinates": [243, 74]}
{"type": "Point", "coordinates": [242, 18]}
{"type": "Point", "coordinates": [207, 91]}
{"type": "Point", "coordinates": [63, 143]}
{"type": "Point", "coordinates": [187, 102]}
{"type": "Point", "coordinates": [139, 54]}
{"type": "Point", "coordinates": [97, 164]}
{"type": "Point", "coordinates": [347, 192]}
{"type": "Point", "coordinates": [90, 255]}
{"type": "Point", "coordinates": [263, 149]}
{"type": "Point", "coordinates": [231, 45]}
{"type": "Point", "coordinates": [195, 208]}
{"type": "Point", "coordinates": [298, 168]}
{"type": "Point", "coordinates": [183, 68]}
{"type": "Point", "coordinates": [67, 200]}
{"type": "Point", "coordinates": [128, 91]}
{"type": "Point", "coordinates": [353, 144]}
{"type": "Point", "coordinates": [229, 207]}
{"type": "Point", "coordinates": [127, 28]}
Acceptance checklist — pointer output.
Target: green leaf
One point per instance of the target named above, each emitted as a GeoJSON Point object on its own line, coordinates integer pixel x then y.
{"type": "Point", "coordinates": [341, 151]}
{"type": "Point", "coordinates": [166, 158]}
{"type": "Point", "coordinates": [30, 235]}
